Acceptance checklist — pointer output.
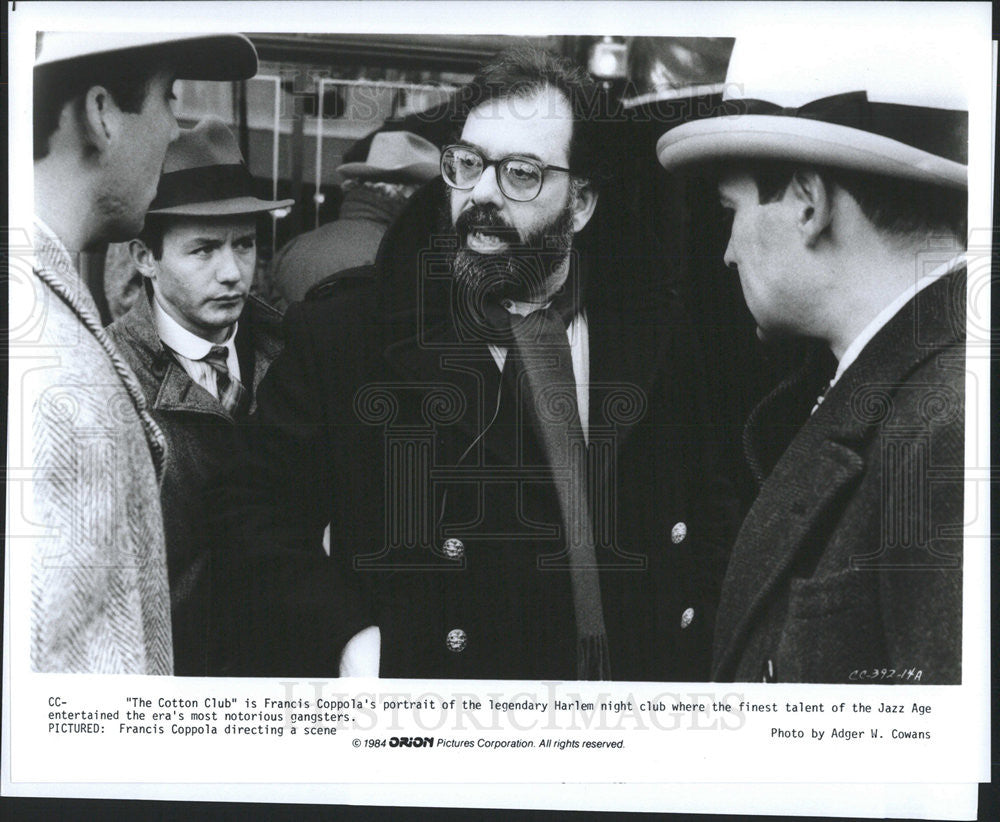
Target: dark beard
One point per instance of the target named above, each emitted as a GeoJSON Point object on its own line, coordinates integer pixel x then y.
{"type": "Point", "coordinates": [523, 271]}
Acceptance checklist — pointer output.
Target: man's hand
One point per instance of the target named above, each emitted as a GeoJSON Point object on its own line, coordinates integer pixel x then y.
{"type": "Point", "coordinates": [361, 653]}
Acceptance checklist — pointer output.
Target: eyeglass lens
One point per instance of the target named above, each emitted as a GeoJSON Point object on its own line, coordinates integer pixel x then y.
{"type": "Point", "coordinates": [519, 179]}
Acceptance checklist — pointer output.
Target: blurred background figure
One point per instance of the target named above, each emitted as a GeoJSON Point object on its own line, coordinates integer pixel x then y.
{"type": "Point", "coordinates": [122, 280]}
{"type": "Point", "coordinates": [375, 192]}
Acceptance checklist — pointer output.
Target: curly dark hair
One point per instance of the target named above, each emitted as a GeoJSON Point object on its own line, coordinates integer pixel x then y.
{"type": "Point", "coordinates": [522, 72]}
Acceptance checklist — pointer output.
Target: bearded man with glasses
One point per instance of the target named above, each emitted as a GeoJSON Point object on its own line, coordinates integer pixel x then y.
{"type": "Point", "coordinates": [515, 488]}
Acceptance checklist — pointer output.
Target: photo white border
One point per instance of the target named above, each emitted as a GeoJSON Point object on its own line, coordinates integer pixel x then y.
{"type": "Point", "coordinates": [966, 23]}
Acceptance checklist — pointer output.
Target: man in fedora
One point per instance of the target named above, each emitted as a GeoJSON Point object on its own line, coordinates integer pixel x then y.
{"type": "Point", "coordinates": [199, 344]}
{"type": "Point", "coordinates": [102, 122]}
{"type": "Point", "coordinates": [375, 192]}
{"type": "Point", "coordinates": [848, 201]}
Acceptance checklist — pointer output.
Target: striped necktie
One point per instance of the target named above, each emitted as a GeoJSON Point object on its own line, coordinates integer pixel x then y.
{"type": "Point", "coordinates": [230, 389]}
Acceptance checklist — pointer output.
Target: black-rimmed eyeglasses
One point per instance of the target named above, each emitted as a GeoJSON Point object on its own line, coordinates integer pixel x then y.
{"type": "Point", "coordinates": [519, 178]}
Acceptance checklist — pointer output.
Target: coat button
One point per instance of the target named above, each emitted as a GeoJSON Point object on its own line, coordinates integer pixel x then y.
{"type": "Point", "coordinates": [687, 617]}
{"type": "Point", "coordinates": [767, 675]}
{"type": "Point", "coordinates": [678, 532]}
{"type": "Point", "coordinates": [453, 548]}
{"type": "Point", "coordinates": [456, 640]}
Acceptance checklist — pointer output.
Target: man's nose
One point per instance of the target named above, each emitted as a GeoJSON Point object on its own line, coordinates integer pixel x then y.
{"type": "Point", "coordinates": [228, 269]}
{"type": "Point", "coordinates": [487, 190]}
{"type": "Point", "coordinates": [729, 257]}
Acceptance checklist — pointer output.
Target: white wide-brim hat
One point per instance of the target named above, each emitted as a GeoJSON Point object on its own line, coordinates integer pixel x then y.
{"type": "Point", "coordinates": [204, 176]}
{"type": "Point", "coordinates": [193, 56]}
{"type": "Point", "coordinates": [397, 157]}
{"type": "Point", "coordinates": [897, 109]}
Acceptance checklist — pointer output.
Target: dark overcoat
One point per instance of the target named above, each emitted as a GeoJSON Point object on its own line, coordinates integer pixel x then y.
{"type": "Point", "coordinates": [848, 566]}
{"type": "Point", "coordinates": [449, 541]}
{"type": "Point", "coordinates": [199, 431]}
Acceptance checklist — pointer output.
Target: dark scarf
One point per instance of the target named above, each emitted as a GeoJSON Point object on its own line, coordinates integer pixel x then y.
{"type": "Point", "coordinates": [539, 368]}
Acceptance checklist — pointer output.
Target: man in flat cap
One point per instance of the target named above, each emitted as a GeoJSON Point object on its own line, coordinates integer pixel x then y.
{"type": "Point", "coordinates": [199, 344]}
{"type": "Point", "coordinates": [102, 123]}
{"type": "Point", "coordinates": [848, 201]}
{"type": "Point", "coordinates": [507, 451]}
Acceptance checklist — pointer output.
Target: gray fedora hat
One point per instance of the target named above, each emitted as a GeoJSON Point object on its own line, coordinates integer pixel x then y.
{"type": "Point", "coordinates": [204, 176]}
{"type": "Point", "coordinates": [397, 157]}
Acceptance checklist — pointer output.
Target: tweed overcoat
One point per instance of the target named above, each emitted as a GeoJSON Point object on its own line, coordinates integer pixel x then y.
{"type": "Point", "coordinates": [100, 601]}
{"type": "Point", "coordinates": [848, 566]}
{"type": "Point", "coordinates": [199, 432]}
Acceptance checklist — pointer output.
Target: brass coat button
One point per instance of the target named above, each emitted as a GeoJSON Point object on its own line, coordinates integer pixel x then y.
{"type": "Point", "coordinates": [457, 640]}
{"type": "Point", "coordinates": [453, 548]}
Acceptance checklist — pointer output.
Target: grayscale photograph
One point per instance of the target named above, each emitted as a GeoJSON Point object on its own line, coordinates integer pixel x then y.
{"type": "Point", "coordinates": [624, 379]}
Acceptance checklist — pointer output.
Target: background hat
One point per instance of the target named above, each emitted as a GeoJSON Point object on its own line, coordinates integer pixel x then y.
{"type": "Point", "coordinates": [397, 157]}
{"type": "Point", "coordinates": [895, 108]}
{"type": "Point", "coordinates": [196, 56]}
{"type": "Point", "coordinates": [204, 175]}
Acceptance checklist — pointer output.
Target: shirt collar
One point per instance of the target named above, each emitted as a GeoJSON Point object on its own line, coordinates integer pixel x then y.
{"type": "Point", "coordinates": [179, 339]}
{"type": "Point", "coordinates": [523, 309]}
{"type": "Point", "coordinates": [890, 311]}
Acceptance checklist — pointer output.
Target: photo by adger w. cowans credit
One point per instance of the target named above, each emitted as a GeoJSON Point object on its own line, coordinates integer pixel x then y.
{"type": "Point", "coordinates": [571, 406]}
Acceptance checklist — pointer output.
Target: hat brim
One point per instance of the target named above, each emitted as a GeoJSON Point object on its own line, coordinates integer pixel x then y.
{"type": "Point", "coordinates": [195, 57]}
{"type": "Point", "coordinates": [224, 208]}
{"type": "Point", "coordinates": [760, 136]}
{"type": "Point", "coordinates": [414, 173]}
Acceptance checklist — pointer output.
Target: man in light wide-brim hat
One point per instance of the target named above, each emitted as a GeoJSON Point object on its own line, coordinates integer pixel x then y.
{"type": "Point", "coordinates": [199, 343]}
{"type": "Point", "coordinates": [844, 167]}
{"type": "Point", "coordinates": [102, 122]}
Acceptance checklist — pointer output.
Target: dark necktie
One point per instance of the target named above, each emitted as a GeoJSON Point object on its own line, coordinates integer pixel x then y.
{"type": "Point", "coordinates": [542, 370]}
{"type": "Point", "coordinates": [230, 389]}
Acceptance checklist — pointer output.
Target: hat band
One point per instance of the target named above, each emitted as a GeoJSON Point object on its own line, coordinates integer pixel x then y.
{"type": "Point", "coordinates": [939, 131]}
{"type": "Point", "coordinates": [203, 185]}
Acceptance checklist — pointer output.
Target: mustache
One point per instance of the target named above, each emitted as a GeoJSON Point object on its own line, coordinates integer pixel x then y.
{"type": "Point", "coordinates": [487, 220]}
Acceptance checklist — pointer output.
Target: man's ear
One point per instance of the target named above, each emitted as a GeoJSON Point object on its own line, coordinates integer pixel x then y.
{"type": "Point", "coordinates": [810, 196]}
{"type": "Point", "coordinates": [143, 259]}
{"type": "Point", "coordinates": [584, 203]}
{"type": "Point", "coordinates": [102, 119]}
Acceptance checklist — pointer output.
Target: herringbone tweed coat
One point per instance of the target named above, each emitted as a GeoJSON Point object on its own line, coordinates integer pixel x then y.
{"type": "Point", "coordinates": [99, 596]}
